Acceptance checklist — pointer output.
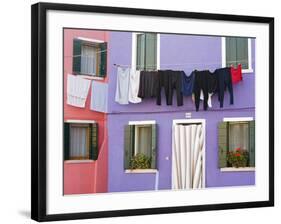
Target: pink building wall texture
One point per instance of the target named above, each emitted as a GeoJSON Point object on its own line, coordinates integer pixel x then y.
{"type": "Point", "coordinates": [85, 176]}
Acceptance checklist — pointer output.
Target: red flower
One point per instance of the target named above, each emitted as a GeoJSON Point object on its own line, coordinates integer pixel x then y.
{"type": "Point", "coordinates": [237, 154]}
{"type": "Point", "coordinates": [238, 149]}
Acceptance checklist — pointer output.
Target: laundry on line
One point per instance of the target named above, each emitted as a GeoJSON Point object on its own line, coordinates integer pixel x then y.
{"type": "Point", "coordinates": [200, 84]}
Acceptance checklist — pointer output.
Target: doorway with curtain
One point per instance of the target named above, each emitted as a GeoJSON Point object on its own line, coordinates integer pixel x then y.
{"type": "Point", "coordinates": [188, 154]}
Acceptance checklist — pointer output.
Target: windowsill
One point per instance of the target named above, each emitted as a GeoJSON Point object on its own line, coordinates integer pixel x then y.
{"type": "Point", "coordinates": [240, 169]}
{"type": "Point", "coordinates": [91, 77]}
{"type": "Point", "coordinates": [245, 71]}
{"type": "Point", "coordinates": [141, 171]}
{"type": "Point", "coordinates": [79, 161]}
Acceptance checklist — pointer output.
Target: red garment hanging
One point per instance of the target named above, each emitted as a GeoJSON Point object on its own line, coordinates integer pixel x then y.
{"type": "Point", "coordinates": [236, 74]}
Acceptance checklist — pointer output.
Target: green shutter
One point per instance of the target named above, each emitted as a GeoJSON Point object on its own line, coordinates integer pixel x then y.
{"type": "Point", "coordinates": [153, 146]}
{"type": "Point", "coordinates": [242, 51]}
{"type": "Point", "coordinates": [251, 143]}
{"type": "Point", "coordinates": [128, 144]}
{"type": "Point", "coordinates": [150, 51]}
{"type": "Point", "coordinates": [66, 145]}
{"type": "Point", "coordinates": [94, 141]}
{"type": "Point", "coordinates": [76, 57]}
{"type": "Point", "coordinates": [140, 51]}
{"type": "Point", "coordinates": [231, 51]}
{"type": "Point", "coordinates": [223, 143]}
{"type": "Point", "coordinates": [236, 51]}
{"type": "Point", "coordinates": [103, 59]}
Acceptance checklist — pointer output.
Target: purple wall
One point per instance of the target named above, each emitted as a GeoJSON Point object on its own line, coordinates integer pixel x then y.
{"type": "Point", "coordinates": [120, 181]}
{"type": "Point", "coordinates": [188, 52]}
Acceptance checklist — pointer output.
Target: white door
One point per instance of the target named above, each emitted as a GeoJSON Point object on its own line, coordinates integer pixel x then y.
{"type": "Point", "coordinates": [188, 156]}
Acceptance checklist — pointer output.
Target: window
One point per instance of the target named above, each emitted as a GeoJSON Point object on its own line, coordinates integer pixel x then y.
{"type": "Point", "coordinates": [145, 57]}
{"type": "Point", "coordinates": [237, 50]}
{"type": "Point", "coordinates": [80, 141]}
{"type": "Point", "coordinates": [89, 58]}
{"type": "Point", "coordinates": [236, 136]}
{"type": "Point", "coordinates": [239, 135]}
{"type": "Point", "coordinates": [140, 146]}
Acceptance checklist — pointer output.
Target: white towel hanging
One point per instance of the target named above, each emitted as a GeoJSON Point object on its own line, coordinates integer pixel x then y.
{"type": "Point", "coordinates": [77, 90]}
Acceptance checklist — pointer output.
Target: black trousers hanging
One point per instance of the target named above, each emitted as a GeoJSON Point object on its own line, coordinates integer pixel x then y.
{"type": "Point", "coordinates": [170, 80]}
{"type": "Point", "coordinates": [224, 80]}
{"type": "Point", "coordinates": [201, 83]}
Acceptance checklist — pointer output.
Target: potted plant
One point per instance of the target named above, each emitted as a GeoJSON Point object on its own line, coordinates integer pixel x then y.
{"type": "Point", "coordinates": [140, 161]}
{"type": "Point", "coordinates": [238, 157]}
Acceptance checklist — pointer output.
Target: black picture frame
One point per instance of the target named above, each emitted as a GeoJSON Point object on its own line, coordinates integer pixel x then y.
{"type": "Point", "coordinates": [39, 108]}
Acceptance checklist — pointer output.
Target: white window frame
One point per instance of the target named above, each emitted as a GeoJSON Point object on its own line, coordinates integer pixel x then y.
{"type": "Point", "coordinates": [223, 54]}
{"type": "Point", "coordinates": [233, 119]}
{"type": "Point", "coordinates": [240, 169]}
{"type": "Point", "coordinates": [80, 121]}
{"type": "Point", "coordinates": [90, 40]}
{"type": "Point", "coordinates": [192, 121]}
{"type": "Point", "coordinates": [142, 122]}
{"type": "Point", "coordinates": [134, 51]}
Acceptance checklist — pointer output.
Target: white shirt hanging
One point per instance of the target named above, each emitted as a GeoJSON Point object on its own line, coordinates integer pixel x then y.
{"type": "Point", "coordinates": [134, 84]}
{"type": "Point", "coordinates": [122, 85]}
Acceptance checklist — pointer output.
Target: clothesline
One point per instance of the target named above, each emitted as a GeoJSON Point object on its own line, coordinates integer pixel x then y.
{"type": "Point", "coordinates": [80, 55]}
{"type": "Point", "coordinates": [187, 63]}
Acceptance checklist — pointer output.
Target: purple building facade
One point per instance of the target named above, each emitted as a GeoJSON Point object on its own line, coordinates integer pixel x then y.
{"type": "Point", "coordinates": [178, 52]}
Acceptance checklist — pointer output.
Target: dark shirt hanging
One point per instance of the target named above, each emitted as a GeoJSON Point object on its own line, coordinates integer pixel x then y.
{"type": "Point", "coordinates": [148, 84]}
{"type": "Point", "coordinates": [187, 83]}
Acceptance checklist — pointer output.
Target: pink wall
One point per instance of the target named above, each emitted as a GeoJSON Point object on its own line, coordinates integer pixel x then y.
{"type": "Point", "coordinates": [91, 176]}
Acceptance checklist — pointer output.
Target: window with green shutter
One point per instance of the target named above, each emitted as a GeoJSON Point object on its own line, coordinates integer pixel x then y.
{"type": "Point", "coordinates": [66, 141]}
{"type": "Point", "coordinates": [80, 141]}
{"type": "Point", "coordinates": [236, 141]}
{"type": "Point", "coordinates": [76, 57]}
{"type": "Point", "coordinates": [89, 58]}
{"type": "Point", "coordinates": [128, 145]}
{"type": "Point", "coordinates": [93, 151]}
{"type": "Point", "coordinates": [236, 51]}
{"type": "Point", "coordinates": [252, 143]}
{"type": "Point", "coordinates": [146, 55]}
{"type": "Point", "coordinates": [223, 143]}
{"type": "Point", "coordinates": [140, 146]}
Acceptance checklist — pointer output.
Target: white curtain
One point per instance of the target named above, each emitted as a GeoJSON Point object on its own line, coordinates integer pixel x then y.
{"type": "Point", "coordinates": [88, 60]}
{"type": "Point", "coordinates": [78, 141]}
{"type": "Point", "coordinates": [187, 156]}
{"type": "Point", "coordinates": [143, 140]}
{"type": "Point", "coordinates": [238, 136]}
